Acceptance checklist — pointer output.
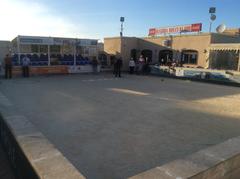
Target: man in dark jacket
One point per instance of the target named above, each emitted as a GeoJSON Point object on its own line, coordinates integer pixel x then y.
{"type": "Point", "coordinates": [118, 66]}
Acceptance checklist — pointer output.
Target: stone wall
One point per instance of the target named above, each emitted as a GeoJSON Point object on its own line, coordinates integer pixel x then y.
{"type": "Point", "coordinates": [218, 162]}
{"type": "Point", "coordinates": [31, 155]}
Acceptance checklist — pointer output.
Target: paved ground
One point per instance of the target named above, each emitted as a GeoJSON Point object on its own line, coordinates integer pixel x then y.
{"type": "Point", "coordinates": [5, 169]}
{"type": "Point", "coordinates": [115, 128]}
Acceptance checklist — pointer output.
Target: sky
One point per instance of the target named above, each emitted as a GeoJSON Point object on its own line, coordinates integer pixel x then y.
{"type": "Point", "coordinates": [101, 18]}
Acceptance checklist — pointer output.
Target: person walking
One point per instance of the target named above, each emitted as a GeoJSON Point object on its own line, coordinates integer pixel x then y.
{"type": "Point", "coordinates": [25, 66]}
{"type": "Point", "coordinates": [118, 67]}
{"type": "Point", "coordinates": [8, 66]}
{"type": "Point", "coordinates": [131, 66]}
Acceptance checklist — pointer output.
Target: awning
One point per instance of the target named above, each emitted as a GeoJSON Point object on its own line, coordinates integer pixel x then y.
{"type": "Point", "coordinates": [225, 47]}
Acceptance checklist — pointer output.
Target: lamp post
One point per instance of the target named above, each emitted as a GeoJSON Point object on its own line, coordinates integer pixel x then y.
{"type": "Point", "coordinates": [238, 60]}
{"type": "Point", "coordinates": [122, 19]}
{"type": "Point", "coordinates": [212, 11]}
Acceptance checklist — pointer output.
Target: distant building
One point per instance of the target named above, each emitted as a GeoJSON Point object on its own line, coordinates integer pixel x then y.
{"type": "Point", "coordinates": [193, 50]}
{"type": "Point", "coordinates": [51, 54]}
{"type": "Point", "coordinates": [5, 46]}
{"type": "Point", "coordinates": [54, 50]}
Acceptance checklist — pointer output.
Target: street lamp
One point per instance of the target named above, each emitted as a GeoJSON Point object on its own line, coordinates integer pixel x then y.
{"type": "Point", "coordinates": [122, 19]}
{"type": "Point", "coordinates": [212, 11]}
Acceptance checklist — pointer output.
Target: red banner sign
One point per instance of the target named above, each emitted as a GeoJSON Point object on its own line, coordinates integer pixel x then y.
{"type": "Point", "coordinates": [176, 29]}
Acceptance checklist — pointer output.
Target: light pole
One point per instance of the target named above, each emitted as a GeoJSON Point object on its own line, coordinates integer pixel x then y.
{"type": "Point", "coordinates": [212, 11]}
{"type": "Point", "coordinates": [122, 19]}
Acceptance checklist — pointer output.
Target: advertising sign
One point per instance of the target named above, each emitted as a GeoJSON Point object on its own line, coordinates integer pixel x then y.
{"type": "Point", "coordinates": [176, 29]}
{"type": "Point", "coordinates": [33, 40]}
{"type": "Point", "coordinates": [56, 41]}
{"type": "Point", "coordinates": [212, 10]}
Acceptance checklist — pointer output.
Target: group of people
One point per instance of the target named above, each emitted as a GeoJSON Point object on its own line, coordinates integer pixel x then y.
{"type": "Point", "coordinates": [140, 66]}
{"type": "Point", "coordinates": [8, 66]}
{"type": "Point", "coordinates": [170, 63]}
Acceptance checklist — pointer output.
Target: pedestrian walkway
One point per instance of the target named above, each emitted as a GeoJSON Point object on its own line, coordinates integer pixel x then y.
{"type": "Point", "coordinates": [5, 169]}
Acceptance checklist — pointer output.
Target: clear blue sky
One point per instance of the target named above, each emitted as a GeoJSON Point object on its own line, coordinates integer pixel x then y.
{"type": "Point", "coordinates": [100, 18]}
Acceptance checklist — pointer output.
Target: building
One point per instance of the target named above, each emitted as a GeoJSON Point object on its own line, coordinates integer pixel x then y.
{"type": "Point", "coordinates": [5, 46]}
{"type": "Point", "coordinates": [193, 50]}
{"type": "Point", "coordinates": [51, 54]}
{"type": "Point", "coordinates": [232, 31]}
{"type": "Point", "coordinates": [53, 50]}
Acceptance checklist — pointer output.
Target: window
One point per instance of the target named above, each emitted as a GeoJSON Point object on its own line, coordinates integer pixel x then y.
{"type": "Point", "coordinates": [165, 56]}
{"type": "Point", "coordinates": [134, 54]}
{"type": "Point", "coordinates": [34, 48]}
{"type": "Point", "coordinates": [80, 50]}
{"type": "Point", "coordinates": [147, 54]}
{"type": "Point", "coordinates": [55, 49]}
{"type": "Point", "coordinates": [190, 57]}
{"type": "Point", "coordinates": [26, 49]}
{"type": "Point", "coordinates": [103, 59]}
{"type": "Point", "coordinates": [86, 51]}
{"type": "Point", "coordinates": [94, 42]}
{"type": "Point", "coordinates": [43, 49]}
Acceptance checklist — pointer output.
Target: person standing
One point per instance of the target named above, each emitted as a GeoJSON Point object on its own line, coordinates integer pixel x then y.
{"type": "Point", "coordinates": [141, 64]}
{"type": "Point", "coordinates": [25, 66]}
{"type": "Point", "coordinates": [146, 66]}
{"type": "Point", "coordinates": [162, 62]}
{"type": "Point", "coordinates": [113, 63]}
{"type": "Point", "coordinates": [131, 66]}
{"type": "Point", "coordinates": [95, 65]}
{"type": "Point", "coordinates": [8, 66]}
{"type": "Point", "coordinates": [118, 67]}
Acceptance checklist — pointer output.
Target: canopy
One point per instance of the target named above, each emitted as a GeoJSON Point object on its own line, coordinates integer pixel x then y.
{"type": "Point", "coordinates": [225, 47]}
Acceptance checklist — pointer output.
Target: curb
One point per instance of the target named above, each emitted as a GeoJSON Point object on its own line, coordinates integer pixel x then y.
{"type": "Point", "coordinates": [221, 161]}
{"type": "Point", "coordinates": [200, 80]}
